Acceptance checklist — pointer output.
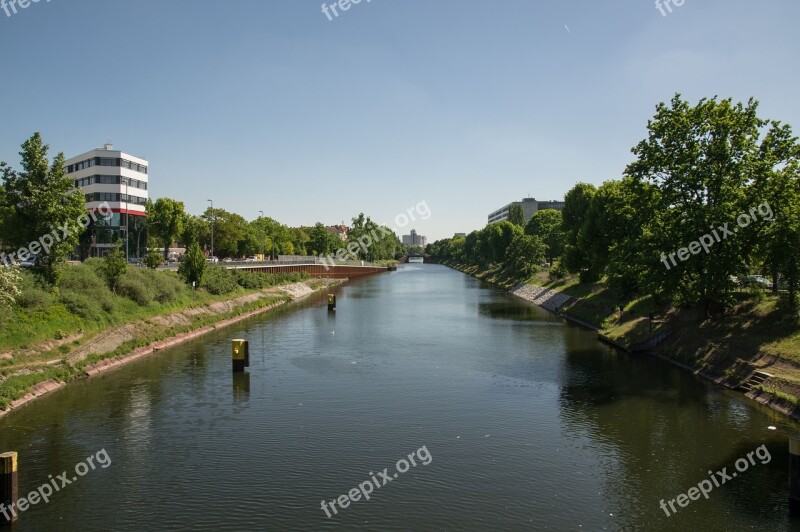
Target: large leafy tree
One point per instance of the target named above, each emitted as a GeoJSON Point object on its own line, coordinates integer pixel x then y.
{"type": "Point", "coordinates": [546, 225]}
{"type": "Point", "coordinates": [576, 208]}
{"type": "Point", "coordinates": [165, 219]}
{"type": "Point", "coordinates": [525, 253]}
{"type": "Point", "coordinates": [39, 201]}
{"type": "Point", "coordinates": [704, 160]}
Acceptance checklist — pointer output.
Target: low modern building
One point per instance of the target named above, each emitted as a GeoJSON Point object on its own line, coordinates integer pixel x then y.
{"type": "Point", "coordinates": [414, 239]}
{"type": "Point", "coordinates": [529, 207]}
{"type": "Point", "coordinates": [106, 175]}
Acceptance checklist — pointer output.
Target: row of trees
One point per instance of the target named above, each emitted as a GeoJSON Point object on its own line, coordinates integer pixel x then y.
{"type": "Point", "coordinates": [701, 167]}
{"type": "Point", "coordinates": [234, 236]}
{"type": "Point", "coordinates": [42, 212]}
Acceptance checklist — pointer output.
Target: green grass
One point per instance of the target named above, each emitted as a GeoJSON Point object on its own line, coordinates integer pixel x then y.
{"type": "Point", "coordinates": [83, 306]}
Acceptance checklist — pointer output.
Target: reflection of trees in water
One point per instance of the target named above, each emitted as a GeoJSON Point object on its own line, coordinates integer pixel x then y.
{"type": "Point", "coordinates": [665, 430]}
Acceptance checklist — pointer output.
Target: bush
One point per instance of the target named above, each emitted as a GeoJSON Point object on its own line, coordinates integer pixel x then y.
{"type": "Point", "coordinates": [83, 305]}
{"type": "Point", "coordinates": [218, 280]}
{"type": "Point", "coordinates": [135, 289]}
{"type": "Point", "coordinates": [153, 260]}
{"type": "Point", "coordinates": [86, 282]}
{"type": "Point", "coordinates": [167, 286]}
{"type": "Point", "coordinates": [33, 292]}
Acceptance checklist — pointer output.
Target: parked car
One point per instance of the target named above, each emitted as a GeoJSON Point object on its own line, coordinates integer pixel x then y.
{"type": "Point", "coordinates": [227, 259]}
{"type": "Point", "coordinates": [212, 260]}
{"type": "Point", "coordinates": [757, 280]}
{"type": "Point", "coordinates": [251, 259]}
{"type": "Point", "coordinates": [30, 262]}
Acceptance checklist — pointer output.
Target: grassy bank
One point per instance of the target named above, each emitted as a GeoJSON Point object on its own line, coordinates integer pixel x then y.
{"type": "Point", "coordinates": [55, 332]}
{"type": "Point", "coordinates": [758, 333]}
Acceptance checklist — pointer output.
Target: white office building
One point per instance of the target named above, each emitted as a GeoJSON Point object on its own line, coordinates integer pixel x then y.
{"type": "Point", "coordinates": [106, 175]}
{"type": "Point", "coordinates": [529, 207]}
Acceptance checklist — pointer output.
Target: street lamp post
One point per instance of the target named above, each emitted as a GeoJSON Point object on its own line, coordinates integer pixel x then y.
{"type": "Point", "coordinates": [212, 228]}
{"type": "Point", "coordinates": [263, 242]}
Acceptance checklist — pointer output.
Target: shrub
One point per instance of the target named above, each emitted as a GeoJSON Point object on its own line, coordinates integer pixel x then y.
{"type": "Point", "coordinates": [218, 280]}
{"type": "Point", "coordinates": [135, 289]}
{"type": "Point", "coordinates": [167, 286]}
{"type": "Point", "coordinates": [83, 305]}
{"type": "Point", "coordinates": [33, 292]}
{"type": "Point", "coordinates": [153, 260]}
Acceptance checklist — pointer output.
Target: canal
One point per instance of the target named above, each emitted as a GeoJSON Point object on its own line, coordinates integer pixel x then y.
{"type": "Point", "coordinates": [514, 419]}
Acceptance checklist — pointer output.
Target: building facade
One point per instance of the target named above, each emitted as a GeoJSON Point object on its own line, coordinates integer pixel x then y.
{"type": "Point", "coordinates": [106, 175]}
{"type": "Point", "coordinates": [529, 207]}
{"type": "Point", "coordinates": [414, 239]}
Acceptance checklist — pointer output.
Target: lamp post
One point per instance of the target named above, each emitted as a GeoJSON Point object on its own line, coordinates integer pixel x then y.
{"type": "Point", "coordinates": [212, 228]}
{"type": "Point", "coordinates": [263, 242]}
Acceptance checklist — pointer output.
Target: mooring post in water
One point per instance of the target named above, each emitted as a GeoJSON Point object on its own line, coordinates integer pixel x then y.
{"type": "Point", "coordinates": [331, 301]}
{"type": "Point", "coordinates": [239, 354]}
{"type": "Point", "coordinates": [794, 476]}
{"type": "Point", "coordinates": [8, 488]}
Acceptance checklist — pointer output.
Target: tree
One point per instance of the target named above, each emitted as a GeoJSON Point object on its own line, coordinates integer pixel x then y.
{"type": "Point", "coordinates": [546, 225]}
{"type": "Point", "coordinates": [153, 260]}
{"type": "Point", "coordinates": [576, 206]}
{"type": "Point", "coordinates": [525, 253]}
{"type": "Point", "coordinates": [516, 215]}
{"type": "Point", "coordinates": [320, 242]}
{"type": "Point", "coordinates": [40, 202]}
{"type": "Point", "coordinates": [114, 266]}
{"type": "Point", "coordinates": [192, 265]}
{"type": "Point", "coordinates": [703, 162]}
{"type": "Point", "coordinates": [165, 220]}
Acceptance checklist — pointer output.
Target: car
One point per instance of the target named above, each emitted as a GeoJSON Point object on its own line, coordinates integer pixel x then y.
{"type": "Point", "coordinates": [251, 259]}
{"type": "Point", "coordinates": [756, 280]}
{"type": "Point", "coordinates": [227, 259]}
{"type": "Point", "coordinates": [212, 260]}
{"type": "Point", "coordinates": [30, 262]}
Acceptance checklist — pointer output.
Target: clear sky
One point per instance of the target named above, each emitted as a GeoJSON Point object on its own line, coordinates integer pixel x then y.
{"type": "Point", "coordinates": [466, 105]}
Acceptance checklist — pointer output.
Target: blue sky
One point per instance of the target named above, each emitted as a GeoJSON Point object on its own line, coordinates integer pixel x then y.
{"type": "Point", "coordinates": [466, 105]}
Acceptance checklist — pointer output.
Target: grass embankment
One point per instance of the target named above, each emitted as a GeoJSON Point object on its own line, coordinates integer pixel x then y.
{"type": "Point", "coordinates": [55, 332]}
{"type": "Point", "coordinates": [758, 333]}
{"type": "Point", "coordinates": [495, 274]}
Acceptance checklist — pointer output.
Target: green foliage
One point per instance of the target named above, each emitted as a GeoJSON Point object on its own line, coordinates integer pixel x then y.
{"type": "Point", "coordinates": [10, 282]}
{"type": "Point", "coordinates": [192, 265]}
{"type": "Point", "coordinates": [165, 220]}
{"type": "Point", "coordinates": [153, 260]}
{"type": "Point", "coordinates": [525, 253]}
{"type": "Point", "coordinates": [546, 225]}
{"type": "Point", "coordinates": [114, 267]}
{"type": "Point", "coordinates": [516, 215]}
{"type": "Point", "coordinates": [38, 199]}
{"type": "Point", "coordinates": [218, 280]}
